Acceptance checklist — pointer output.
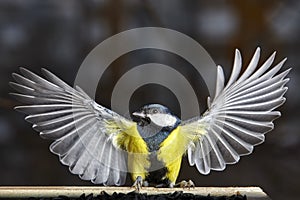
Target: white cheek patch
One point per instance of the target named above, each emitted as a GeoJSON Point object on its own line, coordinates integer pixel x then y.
{"type": "Point", "coordinates": [163, 119]}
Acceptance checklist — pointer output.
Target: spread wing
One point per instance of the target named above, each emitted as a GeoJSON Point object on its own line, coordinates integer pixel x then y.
{"type": "Point", "coordinates": [84, 131]}
{"type": "Point", "coordinates": [239, 115]}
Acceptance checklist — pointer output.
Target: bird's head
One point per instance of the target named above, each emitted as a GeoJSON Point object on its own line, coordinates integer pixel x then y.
{"type": "Point", "coordinates": [156, 114]}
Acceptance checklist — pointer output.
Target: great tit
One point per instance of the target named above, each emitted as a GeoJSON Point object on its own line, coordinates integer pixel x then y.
{"type": "Point", "coordinates": [102, 146]}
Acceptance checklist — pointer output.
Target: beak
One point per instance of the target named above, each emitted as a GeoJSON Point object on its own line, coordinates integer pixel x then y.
{"type": "Point", "coordinates": [139, 114]}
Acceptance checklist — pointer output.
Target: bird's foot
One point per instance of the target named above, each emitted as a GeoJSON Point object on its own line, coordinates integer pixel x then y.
{"type": "Point", "coordinates": [185, 184]}
{"type": "Point", "coordinates": [139, 183]}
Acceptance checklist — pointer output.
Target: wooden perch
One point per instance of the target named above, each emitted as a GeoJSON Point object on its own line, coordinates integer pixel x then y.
{"type": "Point", "coordinates": [252, 193]}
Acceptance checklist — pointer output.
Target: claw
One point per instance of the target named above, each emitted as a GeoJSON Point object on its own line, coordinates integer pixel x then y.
{"type": "Point", "coordinates": [138, 183]}
{"type": "Point", "coordinates": [191, 184]}
{"type": "Point", "coordinates": [186, 184]}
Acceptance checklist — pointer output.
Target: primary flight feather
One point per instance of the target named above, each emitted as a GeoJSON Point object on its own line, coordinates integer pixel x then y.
{"type": "Point", "coordinates": [102, 146]}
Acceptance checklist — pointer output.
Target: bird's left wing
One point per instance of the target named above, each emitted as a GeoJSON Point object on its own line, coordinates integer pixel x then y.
{"type": "Point", "coordinates": [85, 132]}
{"type": "Point", "coordinates": [239, 115]}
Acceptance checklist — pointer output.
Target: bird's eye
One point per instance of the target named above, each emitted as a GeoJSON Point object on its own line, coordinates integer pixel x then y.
{"type": "Point", "coordinates": [155, 111]}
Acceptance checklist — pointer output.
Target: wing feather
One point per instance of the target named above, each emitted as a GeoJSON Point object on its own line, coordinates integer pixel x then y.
{"type": "Point", "coordinates": [220, 80]}
{"type": "Point", "coordinates": [239, 116]}
{"type": "Point", "coordinates": [217, 160]}
{"type": "Point", "coordinates": [228, 153]}
{"type": "Point", "coordinates": [35, 118]}
{"type": "Point", "coordinates": [236, 68]}
{"type": "Point", "coordinates": [251, 67]}
{"type": "Point", "coordinates": [84, 132]}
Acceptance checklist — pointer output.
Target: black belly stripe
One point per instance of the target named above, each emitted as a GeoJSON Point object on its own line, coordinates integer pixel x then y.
{"type": "Point", "coordinates": [157, 170]}
{"type": "Point", "coordinates": [156, 177]}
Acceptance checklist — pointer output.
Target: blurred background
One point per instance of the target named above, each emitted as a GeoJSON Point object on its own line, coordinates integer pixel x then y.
{"type": "Point", "coordinates": [58, 35]}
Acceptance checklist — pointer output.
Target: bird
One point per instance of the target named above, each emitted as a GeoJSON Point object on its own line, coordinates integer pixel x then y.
{"type": "Point", "coordinates": [102, 146]}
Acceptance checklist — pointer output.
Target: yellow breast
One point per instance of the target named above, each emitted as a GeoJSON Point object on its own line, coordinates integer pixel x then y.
{"type": "Point", "coordinates": [171, 151]}
{"type": "Point", "coordinates": [138, 153]}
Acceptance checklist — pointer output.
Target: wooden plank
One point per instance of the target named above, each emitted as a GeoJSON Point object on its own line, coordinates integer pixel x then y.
{"type": "Point", "coordinates": [252, 193]}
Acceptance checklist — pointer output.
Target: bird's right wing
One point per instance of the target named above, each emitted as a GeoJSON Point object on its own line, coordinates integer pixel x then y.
{"type": "Point", "coordinates": [239, 115]}
{"type": "Point", "coordinates": [87, 135]}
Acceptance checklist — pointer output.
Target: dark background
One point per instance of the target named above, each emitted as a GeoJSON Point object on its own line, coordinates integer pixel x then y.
{"type": "Point", "coordinates": [58, 35]}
